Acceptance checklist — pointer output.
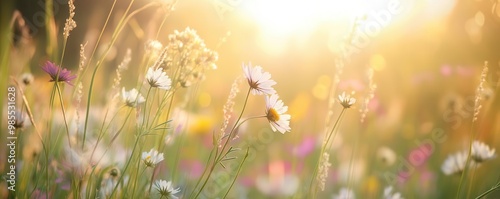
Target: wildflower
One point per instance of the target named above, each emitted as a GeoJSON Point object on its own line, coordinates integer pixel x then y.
{"type": "Point", "coordinates": [27, 78]}
{"type": "Point", "coordinates": [152, 158]}
{"type": "Point", "coordinates": [346, 100]}
{"type": "Point", "coordinates": [53, 70]}
{"type": "Point", "coordinates": [132, 98]}
{"type": "Point", "coordinates": [260, 82]}
{"type": "Point", "coordinates": [344, 193]}
{"type": "Point", "coordinates": [481, 152]}
{"type": "Point", "coordinates": [275, 113]}
{"type": "Point", "coordinates": [324, 165]}
{"type": "Point", "coordinates": [454, 164]}
{"type": "Point", "coordinates": [386, 156]}
{"type": "Point", "coordinates": [186, 53]}
{"type": "Point", "coordinates": [158, 78]}
{"type": "Point", "coordinates": [154, 47]}
{"type": "Point", "coordinates": [388, 194]}
{"type": "Point", "coordinates": [166, 189]}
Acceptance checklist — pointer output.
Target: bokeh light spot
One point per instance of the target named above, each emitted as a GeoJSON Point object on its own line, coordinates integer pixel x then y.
{"type": "Point", "coordinates": [204, 99]}
{"type": "Point", "coordinates": [377, 62]}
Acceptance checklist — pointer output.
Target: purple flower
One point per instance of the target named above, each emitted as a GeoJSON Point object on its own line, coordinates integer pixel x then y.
{"type": "Point", "coordinates": [64, 75]}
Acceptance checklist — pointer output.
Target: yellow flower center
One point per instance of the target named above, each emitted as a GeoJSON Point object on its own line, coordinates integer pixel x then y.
{"type": "Point", "coordinates": [272, 115]}
{"type": "Point", "coordinates": [147, 161]}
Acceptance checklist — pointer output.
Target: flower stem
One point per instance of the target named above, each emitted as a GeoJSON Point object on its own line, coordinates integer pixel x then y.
{"type": "Point", "coordinates": [204, 171]}
{"type": "Point", "coordinates": [151, 183]}
{"type": "Point", "coordinates": [323, 149]}
{"type": "Point", "coordinates": [126, 167]}
{"type": "Point", "coordinates": [237, 173]}
{"type": "Point", "coordinates": [467, 163]}
{"type": "Point", "coordinates": [218, 156]}
{"type": "Point", "coordinates": [497, 186]}
{"type": "Point", "coordinates": [471, 180]}
{"type": "Point", "coordinates": [235, 124]}
{"type": "Point", "coordinates": [350, 181]}
{"type": "Point", "coordinates": [64, 114]}
{"type": "Point", "coordinates": [136, 177]}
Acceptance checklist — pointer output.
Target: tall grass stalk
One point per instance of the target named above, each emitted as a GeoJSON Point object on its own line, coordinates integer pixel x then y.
{"type": "Point", "coordinates": [116, 33]}
{"type": "Point", "coordinates": [324, 148]}
{"type": "Point", "coordinates": [473, 133]}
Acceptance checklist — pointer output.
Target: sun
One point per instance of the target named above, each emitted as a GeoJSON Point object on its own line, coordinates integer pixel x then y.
{"type": "Point", "coordinates": [280, 20]}
{"type": "Point", "coordinates": [282, 17]}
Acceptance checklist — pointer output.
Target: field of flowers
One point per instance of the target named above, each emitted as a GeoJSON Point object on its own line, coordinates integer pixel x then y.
{"type": "Point", "coordinates": [249, 99]}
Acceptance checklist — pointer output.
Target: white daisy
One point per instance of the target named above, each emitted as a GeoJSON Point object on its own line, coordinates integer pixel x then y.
{"type": "Point", "coordinates": [481, 152]}
{"type": "Point", "coordinates": [388, 194]}
{"type": "Point", "coordinates": [346, 100]}
{"type": "Point", "coordinates": [132, 98]}
{"type": "Point", "coordinates": [455, 163]}
{"type": "Point", "coordinates": [344, 193]}
{"type": "Point", "coordinates": [152, 158]}
{"type": "Point", "coordinates": [260, 82]}
{"type": "Point", "coordinates": [275, 113]}
{"type": "Point", "coordinates": [158, 78]}
{"type": "Point", "coordinates": [166, 189]}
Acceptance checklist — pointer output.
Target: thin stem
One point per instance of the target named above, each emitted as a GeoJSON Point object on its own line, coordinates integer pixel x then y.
{"type": "Point", "coordinates": [235, 124]}
{"type": "Point", "coordinates": [323, 149]}
{"type": "Point", "coordinates": [471, 184]}
{"type": "Point", "coordinates": [164, 20]}
{"type": "Point", "coordinates": [65, 41]}
{"type": "Point", "coordinates": [64, 114]}
{"type": "Point", "coordinates": [98, 40]}
{"type": "Point", "coordinates": [334, 127]}
{"type": "Point", "coordinates": [219, 155]}
{"type": "Point", "coordinates": [497, 186]}
{"type": "Point", "coordinates": [351, 165]}
{"type": "Point", "coordinates": [145, 109]}
{"type": "Point", "coordinates": [126, 167]}
{"type": "Point", "coordinates": [467, 163]}
{"type": "Point", "coordinates": [168, 115]}
{"type": "Point", "coordinates": [136, 177]}
{"type": "Point", "coordinates": [237, 173]}
{"type": "Point", "coordinates": [152, 178]}
{"type": "Point", "coordinates": [204, 172]}
{"type": "Point", "coordinates": [99, 63]}
{"type": "Point", "coordinates": [246, 119]}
